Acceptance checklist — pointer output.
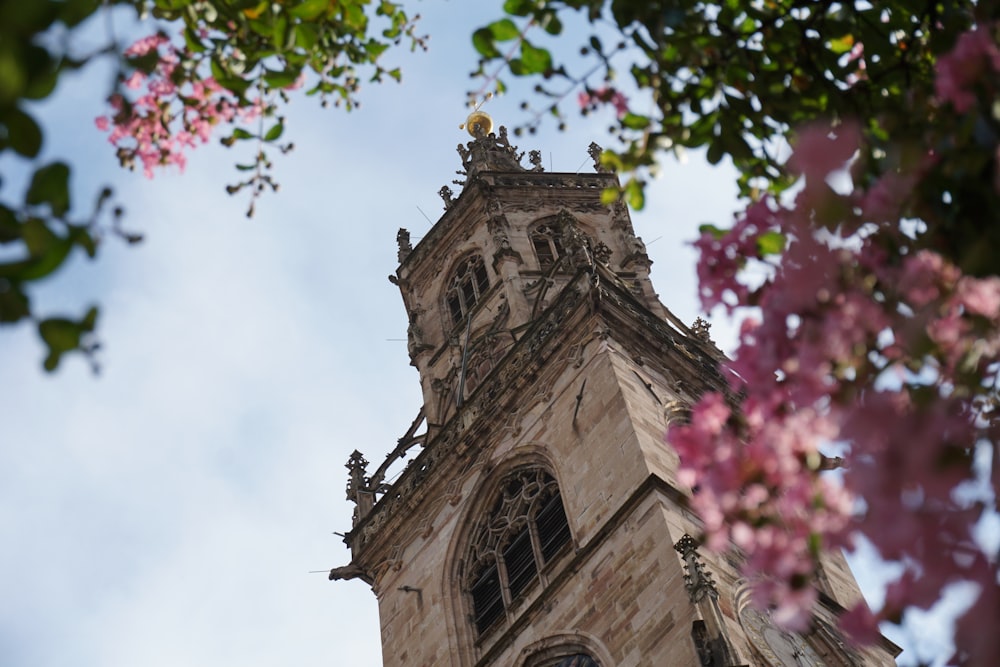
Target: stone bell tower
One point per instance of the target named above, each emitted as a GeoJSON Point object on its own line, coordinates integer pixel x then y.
{"type": "Point", "coordinates": [537, 520]}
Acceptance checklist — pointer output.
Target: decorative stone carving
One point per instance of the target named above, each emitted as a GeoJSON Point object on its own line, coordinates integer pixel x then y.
{"type": "Point", "coordinates": [705, 595]}
{"type": "Point", "coordinates": [619, 217]}
{"type": "Point", "coordinates": [701, 328]}
{"type": "Point", "coordinates": [637, 254]}
{"type": "Point", "coordinates": [574, 242]}
{"type": "Point", "coordinates": [357, 486]}
{"type": "Point", "coordinates": [403, 242]}
{"type": "Point", "coordinates": [447, 195]}
{"type": "Point", "coordinates": [535, 158]}
{"type": "Point", "coordinates": [677, 411]}
{"type": "Point", "coordinates": [415, 343]}
{"type": "Point", "coordinates": [602, 253]}
{"type": "Point", "coordinates": [449, 443]}
{"type": "Point", "coordinates": [595, 151]}
{"type": "Point", "coordinates": [697, 579]}
{"type": "Point", "coordinates": [491, 152]}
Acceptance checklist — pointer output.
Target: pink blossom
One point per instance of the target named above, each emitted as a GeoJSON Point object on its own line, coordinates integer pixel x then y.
{"type": "Point", "coordinates": [924, 277]}
{"type": "Point", "coordinates": [722, 258]}
{"type": "Point", "coordinates": [821, 361]}
{"type": "Point", "coordinates": [974, 55]}
{"type": "Point", "coordinates": [820, 149]}
{"type": "Point", "coordinates": [146, 44]}
{"type": "Point", "coordinates": [605, 95]}
{"type": "Point", "coordinates": [980, 296]}
{"type": "Point", "coordinates": [135, 80]}
{"type": "Point", "coordinates": [861, 625]}
{"type": "Point", "coordinates": [170, 111]}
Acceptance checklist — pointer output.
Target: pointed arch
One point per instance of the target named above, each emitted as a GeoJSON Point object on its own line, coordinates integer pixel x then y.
{"type": "Point", "coordinates": [576, 649]}
{"type": "Point", "coordinates": [546, 241]}
{"type": "Point", "coordinates": [468, 281]}
{"type": "Point", "coordinates": [510, 537]}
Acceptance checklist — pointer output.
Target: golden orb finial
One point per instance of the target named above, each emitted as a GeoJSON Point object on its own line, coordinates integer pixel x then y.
{"type": "Point", "coordinates": [479, 123]}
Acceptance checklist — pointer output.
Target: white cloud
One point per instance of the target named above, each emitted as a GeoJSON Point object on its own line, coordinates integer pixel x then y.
{"type": "Point", "coordinates": [168, 512]}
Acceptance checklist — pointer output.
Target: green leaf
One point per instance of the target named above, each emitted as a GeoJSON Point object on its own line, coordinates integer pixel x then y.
{"type": "Point", "coordinates": [551, 24]}
{"type": "Point", "coordinates": [635, 121]}
{"type": "Point", "coordinates": [609, 195]}
{"type": "Point", "coordinates": [310, 10]}
{"type": "Point", "coordinates": [709, 228]}
{"type": "Point", "coordinates": [518, 7]}
{"type": "Point", "coordinates": [60, 334]}
{"type": "Point", "coordinates": [10, 228]}
{"type": "Point", "coordinates": [50, 185]}
{"type": "Point", "coordinates": [47, 252]}
{"type": "Point", "coordinates": [535, 60]}
{"type": "Point", "coordinates": [280, 79]}
{"type": "Point", "coordinates": [770, 243]}
{"type": "Point", "coordinates": [38, 237]}
{"type": "Point", "coordinates": [80, 235]}
{"type": "Point", "coordinates": [13, 77]}
{"type": "Point", "coordinates": [635, 194]}
{"type": "Point", "coordinates": [715, 151]}
{"type": "Point", "coordinates": [23, 133]}
{"type": "Point", "coordinates": [192, 40]}
{"type": "Point", "coordinates": [73, 12]}
{"type": "Point", "coordinates": [14, 303]}
{"type": "Point", "coordinates": [89, 320]}
{"type": "Point", "coordinates": [275, 132]}
{"type": "Point", "coordinates": [482, 40]}
{"type": "Point", "coordinates": [842, 45]}
{"type": "Point", "coordinates": [503, 30]}
{"type": "Point", "coordinates": [354, 18]}
{"type": "Point", "coordinates": [306, 36]}
{"type": "Point", "coordinates": [229, 81]}
{"type": "Point", "coordinates": [240, 133]}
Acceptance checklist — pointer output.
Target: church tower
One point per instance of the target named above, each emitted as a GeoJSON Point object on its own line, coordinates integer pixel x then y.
{"type": "Point", "coordinates": [538, 521]}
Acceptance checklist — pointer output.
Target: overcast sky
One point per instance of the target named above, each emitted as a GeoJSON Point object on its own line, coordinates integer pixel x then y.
{"type": "Point", "coordinates": [169, 511]}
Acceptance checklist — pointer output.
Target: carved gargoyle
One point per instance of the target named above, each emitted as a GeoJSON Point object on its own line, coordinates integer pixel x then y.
{"type": "Point", "coordinates": [350, 571]}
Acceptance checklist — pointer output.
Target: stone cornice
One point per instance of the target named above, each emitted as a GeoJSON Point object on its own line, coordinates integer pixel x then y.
{"type": "Point", "coordinates": [544, 186]}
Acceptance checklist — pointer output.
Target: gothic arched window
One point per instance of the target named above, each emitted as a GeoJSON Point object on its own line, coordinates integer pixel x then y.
{"type": "Point", "coordinates": [513, 544]}
{"type": "Point", "coordinates": [468, 283]}
{"type": "Point", "coordinates": [545, 239]}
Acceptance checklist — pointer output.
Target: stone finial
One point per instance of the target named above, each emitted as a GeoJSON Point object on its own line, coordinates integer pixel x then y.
{"type": "Point", "coordinates": [357, 486]}
{"type": "Point", "coordinates": [535, 158]}
{"type": "Point", "coordinates": [594, 150]}
{"type": "Point", "coordinates": [447, 195]}
{"type": "Point", "coordinates": [702, 328]}
{"type": "Point", "coordinates": [697, 579]}
{"type": "Point", "coordinates": [403, 242]}
{"type": "Point", "coordinates": [491, 152]}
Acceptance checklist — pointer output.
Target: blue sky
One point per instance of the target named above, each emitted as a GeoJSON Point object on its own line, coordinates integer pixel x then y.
{"type": "Point", "coordinates": [169, 511]}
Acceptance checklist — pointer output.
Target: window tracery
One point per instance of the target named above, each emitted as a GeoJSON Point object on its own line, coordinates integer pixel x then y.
{"type": "Point", "coordinates": [546, 241]}
{"type": "Point", "coordinates": [512, 545]}
{"type": "Point", "coordinates": [469, 282]}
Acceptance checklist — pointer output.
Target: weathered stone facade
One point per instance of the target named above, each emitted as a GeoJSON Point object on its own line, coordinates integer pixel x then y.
{"type": "Point", "coordinates": [542, 346]}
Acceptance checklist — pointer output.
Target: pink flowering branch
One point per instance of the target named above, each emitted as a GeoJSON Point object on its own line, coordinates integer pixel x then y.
{"type": "Point", "coordinates": [865, 340]}
{"type": "Point", "coordinates": [171, 110]}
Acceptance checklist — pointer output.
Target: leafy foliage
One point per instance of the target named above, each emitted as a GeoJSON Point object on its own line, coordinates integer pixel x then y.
{"type": "Point", "coordinates": [208, 63]}
{"type": "Point", "coordinates": [876, 324]}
